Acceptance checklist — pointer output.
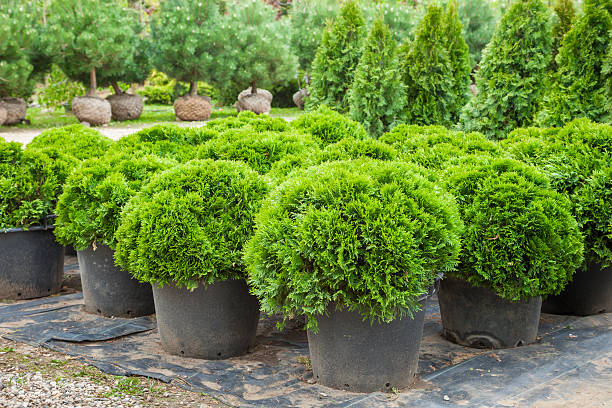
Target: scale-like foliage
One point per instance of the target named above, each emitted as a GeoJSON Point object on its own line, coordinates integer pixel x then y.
{"type": "Point", "coordinates": [328, 126]}
{"type": "Point", "coordinates": [510, 80]}
{"type": "Point", "coordinates": [565, 12]}
{"type": "Point", "coordinates": [520, 238]}
{"type": "Point", "coordinates": [336, 59]}
{"type": "Point", "coordinates": [189, 224]}
{"type": "Point", "coordinates": [367, 235]}
{"type": "Point", "coordinates": [579, 85]}
{"type": "Point", "coordinates": [459, 55]}
{"type": "Point", "coordinates": [479, 20]}
{"type": "Point", "coordinates": [77, 141]}
{"type": "Point", "coordinates": [376, 97]}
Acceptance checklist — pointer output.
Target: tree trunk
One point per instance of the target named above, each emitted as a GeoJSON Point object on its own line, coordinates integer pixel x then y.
{"type": "Point", "coordinates": [93, 85]}
{"type": "Point", "coordinates": [116, 88]}
{"type": "Point", "coordinates": [253, 87]}
{"type": "Point", "coordinates": [193, 88]}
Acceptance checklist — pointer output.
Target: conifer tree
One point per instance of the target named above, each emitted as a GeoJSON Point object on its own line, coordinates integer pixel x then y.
{"type": "Point", "coordinates": [376, 95]}
{"type": "Point", "coordinates": [458, 53]}
{"type": "Point", "coordinates": [427, 73]}
{"type": "Point", "coordinates": [580, 87]}
{"type": "Point", "coordinates": [564, 15]}
{"type": "Point", "coordinates": [336, 59]}
{"type": "Point", "coordinates": [479, 20]}
{"type": "Point", "coordinates": [510, 80]}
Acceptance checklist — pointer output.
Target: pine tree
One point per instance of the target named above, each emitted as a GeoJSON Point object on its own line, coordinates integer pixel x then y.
{"type": "Point", "coordinates": [510, 80]}
{"type": "Point", "coordinates": [458, 53]}
{"type": "Point", "coordinates": [580, 87]}
{"type": "Point", "coordinates": [336, 59]}
{"type": "Point", "coordinates": [90, 36]}
{"type": "Point", "coordinates": [187, 41]}
{"type": "Point", "coordinates": [564, 15]}
{"type": "Point", "coordinates": [479, 22]}
{"type": "Point", "coordinates": [376, 96]}
{"type": "Point", "coordinates": [427, 73]}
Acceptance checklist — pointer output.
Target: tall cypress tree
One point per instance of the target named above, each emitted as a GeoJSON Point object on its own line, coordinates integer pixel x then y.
{"type": "Point", "coordinates": [376, 96]}
{"type": "Point", "coordinates": [336, 59]}
{"type": "Point", "coordinates": [459, 55]}
{"type": "Point", "coordinates": [510, 80]}
{"type": "Point", "coordinates": [579, 87]}
{"type": "Point", "coordinates": [427, 72]}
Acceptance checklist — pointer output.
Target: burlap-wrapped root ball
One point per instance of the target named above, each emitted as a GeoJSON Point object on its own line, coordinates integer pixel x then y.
{"type": "Point", "coordinates": [91, 109]}
{"type": "Point", "coordinates": [259, 102]}
{"type": "Point", "coordinates": [15, 110]}
{"type": "Point", "coordinates": [299, 98]}
{"type": "Point", "coordinates": [190, 108]}
{"type": "Point", "coordinates": [125, 106]}
{"type": "Point", "coordinates": [3, 114]}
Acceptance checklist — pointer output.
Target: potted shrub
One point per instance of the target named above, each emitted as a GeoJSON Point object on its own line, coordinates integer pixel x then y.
{"type": "Point", "coordinates": [88, 215]}
{"type": "Point", "coordinates": [354, 246]}
{"type": "Point", "coordinates": [31, 261]}
{"type": "Point", "coordinates": [184, 233]}
{"type": "Point", "coordinates": [520, 243]}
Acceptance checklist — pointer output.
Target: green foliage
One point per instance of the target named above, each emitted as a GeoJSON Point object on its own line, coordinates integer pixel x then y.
{"type": "Point", "coordinates": [479, 20]}
{"type": "Point", "coordinates": [17, 36]}
{"type": "Point", "coordinates": [30, 182]}
{"type": "Point", "coordinates": [376, 96]}
{"type": "Point", "coordinates": [328, 126]}
{"type": "Point", "coordinates": [86, 35]}
{"type": "Point", "coordinates": [579, 85]}
{"type": "Point", "coordinates": [401, 17]}
{"type": "Point", "coordinates": [308, 19]}
{"type": "Point", "coordinates": [436, 147]}
{"type": "Point", "coordinates": [258, 123]}
{"type": "Point", "coordinates": [564, 15]}
{"type": "Point", "coordinates": [256, 50]}
{"type": "Point", "coordinates": [59, 89]}
{"type": "Point", "coordinates": [366, 235]}
{"type": "Point", "coordinates": [510, 80]}
{"type": "Point", "coordinates": [189, 224]}
{"type": "Point", "coordinates": [76, 141]}
{"type": "Point", "coordinates": [427, 72]}
{"type": "Point", "coordinates": [163, 90]}
{"type": "Point", "coordinates": [336, 59]}
{"type": "Point", "coordinates": [520, 239]}
{"type": "Point", "coordinates": [89, 209]}
{"type": "Point", "coordinates": [347, 149]}
{"type": "Point", "coordinates": [458, 53]}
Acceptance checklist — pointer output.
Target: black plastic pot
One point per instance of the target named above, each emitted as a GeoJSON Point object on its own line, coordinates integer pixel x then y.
{"type": "Point", "coordinates": [351, 354]}
{"type": "Point", "coordinates": [589, 293]}
{"type": "Point", "coordinates": [31, 263]}
{"type": "Point", "coordinates": [213, 322]}
{"type": "Point", "coordinates": [477, 317]}
{"type": "Point", "coordinates": [110, 291]}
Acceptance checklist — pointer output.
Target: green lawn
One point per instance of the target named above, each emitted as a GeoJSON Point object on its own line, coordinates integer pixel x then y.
{"type": "Point", "coordinates": [43, 119]}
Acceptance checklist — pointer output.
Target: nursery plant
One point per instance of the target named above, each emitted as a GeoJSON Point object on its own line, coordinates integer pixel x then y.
{"type": "Point", "coordinates": [478, 18]}
{"type": "Point", "coordinates": [510, 80]}
{"type": "Point", "coordinates": [578, 87]}
{"type": "Point", "coordinates": [76, 141]}
{"type": "Point", "coordinates": [336, 59]}
{"type": "Point", "coordinates": [328, 126]}
{"type": "Point", "coordinates": [376, 97]}
{"type": "Point", "coordinates": [563, 18]}
{"type": "Point", "coordinates": [401, 17]}
{"type": "Point", "coordinates": [364, 235]}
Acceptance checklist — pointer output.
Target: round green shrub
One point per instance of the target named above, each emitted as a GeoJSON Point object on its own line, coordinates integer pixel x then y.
{"type": "Point", "coordinates": [260, 123]}
{"type": "Point", "coordinates": [436, 147]}
{"type": "Point", "coordinates": [30, 182]}
{"type": "Point", "coordinates": [366, 235]}
{"type": "Point", "coordinates": [328, 126]}
{"type": "Point", "coordinates": [94, 195]}
{"type": "Point", "coordinates": [189, 224]}
{"type": "Point", "coordinates": [520, 238]}
{"type": "Point", "coordinates": [77, 141]}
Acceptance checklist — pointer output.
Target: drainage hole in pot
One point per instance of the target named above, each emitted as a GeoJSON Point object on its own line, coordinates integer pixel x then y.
{"type": "Point", "coordinates": [182, 352]}
{"type": "Point", "coordinates": [218, 354]}
{"type": "Point", "coordinates": [129, 312]}
{"type": "Point", "coordinates": [519, 343]}
{"type": "Point", "coordinates": [387, 385]}
{"type": "Point", "coordinates": [99, 311]}
{"type": "Point", "coordinates": [48, 290]}
{"type": "Point", "coordinates": [19, 294]}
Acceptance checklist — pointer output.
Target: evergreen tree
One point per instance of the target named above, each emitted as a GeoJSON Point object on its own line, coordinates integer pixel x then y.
{"type": "Point", "coordinates": [376, 96]}
{"type": "Point", "coordinates": [479, 20]}
{"type": "Point", "coordinates": [427, 73]}
{"type": "Point", "coordinates": [256, 51]}
{"type": "Point", "coordinates": [562, 22]}
{"type": "Point", "coordinates": [580, 87]}
{"type": "Point", "coordinates": [510, 80]}
{"type": "Point", "coordinates": [336, 59]}
{"type": "Point", "coordinates": [90, 36]}
{"type": "Point", "coordinates": [401, 17]}
{"type": "Point", "coordinates": [458, 53]}
{"type": "Point", "coordinates": [188, 46]}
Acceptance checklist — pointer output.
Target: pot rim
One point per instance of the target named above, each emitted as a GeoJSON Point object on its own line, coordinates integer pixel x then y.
{"type": "Point", "coordinates": [44, 227]}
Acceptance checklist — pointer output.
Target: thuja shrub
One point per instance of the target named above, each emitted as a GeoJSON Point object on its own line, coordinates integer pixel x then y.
{"type": "Point", "coordinates": [510, 80]}
{"type": "Point", "coordinates": [250, 119]}
{"type": "Point", "coordinates": [77, 141]}
{"type": "Point", "coordinates": [30, 182]}
{"type": "Point", "coordinates": [436, 147]}
{"type": "Point", "coordinates": [520, 238]}
{"type": "Point", "coordinates": [89, 209]}
{"type": "Point", "coordinates": [366, 235]}
{"type": "Point", "coordinates": [189, 224]}
{"type": "Point", "coordinates": [459, 56]}
{"type": "Point", "coordinates": [563, 18]}
{"type": "Point", "coordinates": [579, 85]}
{"type": "Point", "coordinates": [328, 126]}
